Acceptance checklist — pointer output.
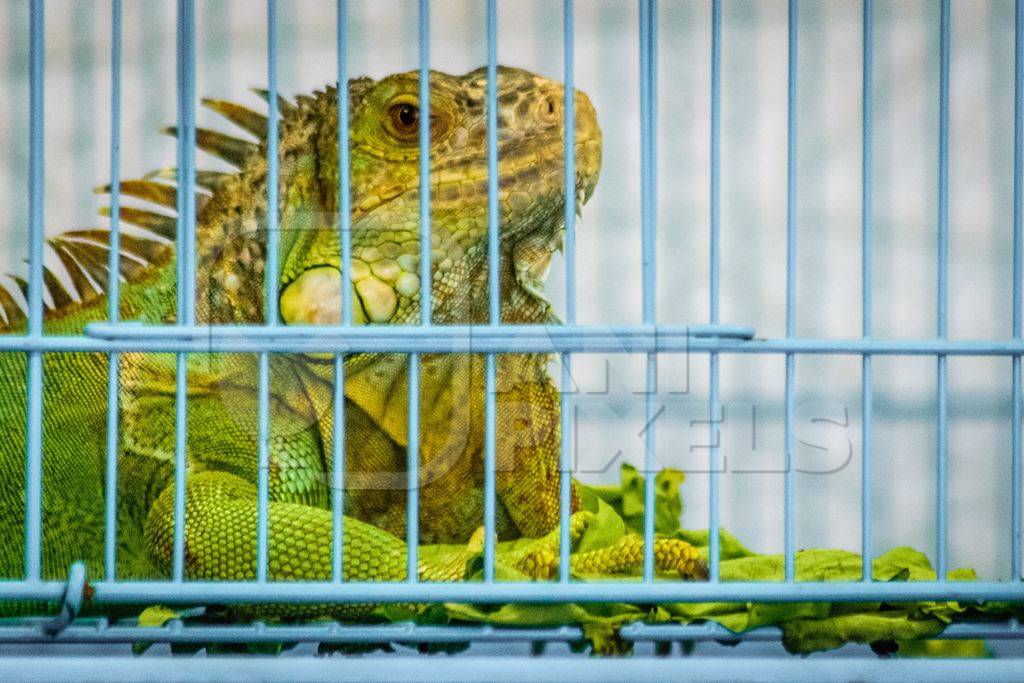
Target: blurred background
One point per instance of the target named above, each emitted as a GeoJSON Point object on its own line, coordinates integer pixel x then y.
{"type": "Point", "coordinates": [231, 57]}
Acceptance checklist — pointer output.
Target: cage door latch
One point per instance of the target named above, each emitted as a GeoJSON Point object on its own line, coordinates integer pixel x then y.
{"type": "Point", "coordinates": [74, 593]}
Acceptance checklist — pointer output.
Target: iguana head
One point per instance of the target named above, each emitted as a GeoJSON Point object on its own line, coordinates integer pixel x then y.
{"type": "Point", "coordinates": [384, 149]}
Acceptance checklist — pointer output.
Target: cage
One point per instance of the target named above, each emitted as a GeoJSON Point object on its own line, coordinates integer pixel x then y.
{"type": "Point", "coordinates": [798, 281]}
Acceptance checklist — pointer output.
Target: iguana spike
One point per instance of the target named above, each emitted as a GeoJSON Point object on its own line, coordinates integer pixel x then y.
{"type": "Point", "coordinates": [232, 150]}
{"type": "Point", "coordinates": [283, 105]}
{"type": "Point", "coordinates": [130, 269]}
{"type": "Point", "coordinates": [201, 202]}
{"type": "Point", "coordinates": [158, 193]}
{"type": "Point", "coordinates": [79, 278]}
{"type": "Point", "coordinates": [10, 309]}
{"type": "Point", "coordinates": [131, 266]}
{"type": "Point", "coordinates": [243, 117]}
{"type": "Point", "coordinates": [93, 265]}
{"type": "Point", "coordinates": [58, 293]}
{"type": "Point", "coordinates": [305, 100]}
{"type": "Point", "coordinates": [209, 180]}
{"type": "Point", "coordinates": [22, 285]}
{"type": "Point", "coordinates": [157, 223]}
{"type": "Point", "coordinates": [141, 249]}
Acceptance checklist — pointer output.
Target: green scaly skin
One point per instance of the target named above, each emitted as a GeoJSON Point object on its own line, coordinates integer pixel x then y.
{"type": "Point", "coordinates": [220, 522]}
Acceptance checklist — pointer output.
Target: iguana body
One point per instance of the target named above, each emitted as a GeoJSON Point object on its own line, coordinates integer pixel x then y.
{"type": "Point", "coordinates": [221, 496]}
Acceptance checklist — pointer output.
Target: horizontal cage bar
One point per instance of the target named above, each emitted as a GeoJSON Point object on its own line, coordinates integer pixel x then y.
{"type": "Point", "coordinates": [102, 631]}
{"type": "Point", "coordinates": [514, 669]}
{"type": "Point", "coordinates": [295, 592]}
{"type": "Point", "coordinates": [104, 337]}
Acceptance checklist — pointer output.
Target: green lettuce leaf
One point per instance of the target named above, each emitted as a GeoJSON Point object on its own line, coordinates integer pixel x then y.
{"type": "Point", "coordinates": [806, 626]}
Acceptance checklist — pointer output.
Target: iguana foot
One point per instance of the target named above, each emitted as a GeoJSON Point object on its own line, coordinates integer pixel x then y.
{"type": "Point", "coordinates": [540, 559]}
{"type": "Point", "coordinates": [671, 556]}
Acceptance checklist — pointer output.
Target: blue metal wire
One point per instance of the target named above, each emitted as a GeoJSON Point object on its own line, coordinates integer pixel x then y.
{"type": "Point", "coordinates": [569, 200]}
{"type": "Point", "coordinates": [412, 533]}
{"type": "Point", "coordinates": [308, 593]}
{"type": "Point", "coordinates": [639, 632]}
{"type": "Point", "coordinates": [791, 221]}
{"type": "Point", "coordinates": [270, 300]}
{"type": "Point", "coordinates": [943, 250]}
{"type": "Point", "coordinates": [518, 669]}
{"type": "Point", "coordinates": [114, 255]}
{"type": "Point", "coordinates": [186, 207]}
{"type": "Point", "coordinates": [102, 631]}
{"type": "Point", "coordinates": [490, 465]}
{"type": "Point", "coordinates": [424, 102]}
{"type": "Point", "coordinates": [1018, 244]}
{"type": "Point", "coordinates": [103, 337]}
{"type": "Point", "coordinates": [493, 244]}
{"type": "Point", "coordinates": [565, 466]}
{"type": "Point", "coordinates": [344, 164]}
{"type": "Point", "coordinates": [185, 249]}
{"type": "Point", "coordinates": [338, 471]}
{"type": "Point", "coordinates": [34, 407]}
{"type": "Point", "coordinates": [867, 98]}
{"type": "Point", "coordinates": [36, 172]}
{"type": "Point", "coordinates": [648, 227]}
{"type": "Point", "coordinates": [716, 157]}
{"type": "Point", "coordinates": [113, 295]}
{"type": "Point", "coordinates": [263, 465]}
{"type": "Point", "coordinates": [273, 170]}
{"type": "Point", "coordinates": [493, 284]}
{"type": "Point", "coordinates": [648, 157]}
{"type": "Point", "coordinates": [412, 518]}
{"type": "Point", "coordinates": [569, 156]}
{"type": "Point", "coordinates": [345, 229]}
{"type": "Point", "coordinates": [180, 468]}
{"type": "Point", "coordinates": [714, 408]}
{"type": "Point", "coordinates": [454, 338]}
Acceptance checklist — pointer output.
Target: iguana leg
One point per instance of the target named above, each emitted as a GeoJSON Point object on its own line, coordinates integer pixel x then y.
{"type": "Point", "coordinates": [220, 544]}
{"type": "Point", "coordinates": [220, 535]}
{"type": "Point", "coordinates": [220, 538]}
{"type": "Point", "coordinates": [529, 445]}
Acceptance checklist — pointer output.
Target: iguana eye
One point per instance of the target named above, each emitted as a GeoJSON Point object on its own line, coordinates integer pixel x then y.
{"type": "Point", "coordinates": [405, 119]}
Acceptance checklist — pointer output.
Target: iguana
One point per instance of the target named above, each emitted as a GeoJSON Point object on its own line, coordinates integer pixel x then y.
{"type": "Point", "coordinates": [220, 523]}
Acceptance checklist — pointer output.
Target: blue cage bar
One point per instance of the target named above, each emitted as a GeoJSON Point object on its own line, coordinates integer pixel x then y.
{"type": "Point", "coordinates": [866, 407]}
{"type": "Point", "coordinates": [714, 406]}
{"type": "Point", "coordinates": [345, 236]}
{"type": "Point", "coordinates": [791, 208]}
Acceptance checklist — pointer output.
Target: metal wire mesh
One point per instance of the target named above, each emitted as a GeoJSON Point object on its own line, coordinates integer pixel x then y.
{"type": "Point", "coordinates": [649, 338]}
